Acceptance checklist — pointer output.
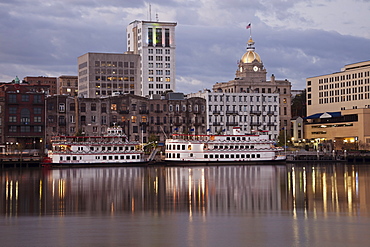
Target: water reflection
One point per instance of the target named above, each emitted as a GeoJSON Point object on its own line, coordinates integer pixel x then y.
{"type": "Point", "coordinates": [330, 188]}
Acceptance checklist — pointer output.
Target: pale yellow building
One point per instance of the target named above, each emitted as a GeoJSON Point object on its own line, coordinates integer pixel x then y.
{"type": "Point", "coordinates": [338, 108]}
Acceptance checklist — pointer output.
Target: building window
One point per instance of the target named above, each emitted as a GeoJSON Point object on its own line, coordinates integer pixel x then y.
{"type": "Point", "coordinates": [12, 98]}
{"type": "Point", "coordinates": [25, 98]}
{"type": "Point", "coordinates": [62, 107]}
{"type": "Point", "coordinates": [37, 99]}
{"type": "Point", "coordinates": [83, 107]}
{"type": "Point", "coordinates": [37, 119]}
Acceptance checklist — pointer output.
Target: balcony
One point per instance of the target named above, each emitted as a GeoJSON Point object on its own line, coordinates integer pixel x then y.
{"type": "Point", "coordinates": [255, 112]}
{"type": "Point", "coordinates": [232, 112]}
{"type": "Point", "coordinates": [271, 124]}
{"type": "Point", "coordinates": [255, 124]}
{"type": "Point", "coordinates": [124, 112]}
{"type": "Point", "coordinates": [216, 112]}
{"type": "Point", "coordinates": [177, 123]}
{"type": "Point", "coordinates": [216, 124]}
{"type": "Point", "coordinates": [232, 124]}
{"type": "Point", "coordinates": [270, 113]}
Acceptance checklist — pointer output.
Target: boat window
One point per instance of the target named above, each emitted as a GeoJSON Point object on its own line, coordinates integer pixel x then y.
{"type": "Point", "coordinates": [242, 156]}
{"type": "Point", "coordinates": [241, 147]}
{"type": "Point", "coordinates": [233, 138]}
{"type": "Point", "coordinates": [189, 147]}
{"type": "Point", "coordinates": [191, 154]}
{"type": "Point", "coordinates": [183, 147]}
{"type": "Point", "coordinates": [221, 156]}
{"type": "Point", "coordinates": [243, 138]}
{"type": "Point", "coordinates": [120, 148]}
{"type": "Point", "coordinates": [206, 156]}
{"type": "Point", "coordinates": [211, 156]}
{"type": "Point", "coordinates": [115, 148]}
{"type": "Point", "coordinates": [252, 146]}
{"type": "Point", "coordinates": [132, 148]}
{"type": "Point", "coordinates": [178, 155]}
{"type": "Point", "coordinates": [110, 157]}
{"type": "Point", "coordinates": [231, 156]}
{"type": "Point", "coordinates": [248, 156]}
{"type": "Point", "coordinates": [178, 147]}
{"type": "Point", "coordinates": [216, 156]}
{"type": "Point", "coordinates": [122, 157]}
{"type": "Point", "coordinates": [231, 147]}
{"type": "Point", "coordinates": [74, 158]}
{"type": "Point", "coordinates": [221, 147]}
{"type": "Point", "coordinates": [103, 149]}
{"type": "Point", "coordinates": [173, 155]}
{"type": "Point", "coordinates": [104, 157]}
{"type": "Point", "coordinates": [92, 148]}
{"type": "Point", "coordinates": [128, 157]}
{"type": "Point", "coordinates": [236, 147]}
{"type": "Point", "coordinates": [215, 147]}
{"type": "Point", "coordinates": [226, 156]}
{"type": "Point", "coordinates": [116, 157]}
{"type": "Point", "coordinates": [238, 138]}
{"type": "Point", "coordinates": [61, 158]}
{"type": "Point", "coordinates": [228, 138]}
{"type": "Point", "coordinates": [68, 157]}
{"type": "Point", "coordinates": [253, 156]}
{"type": "Point", "coordinates": [109, 148]}
{"type": "Point", "coordinates": [237, 156]}
{"type": "Point", "coordinates": [246, 146]}
{"type": "Point", "coordinates": [258, 155]}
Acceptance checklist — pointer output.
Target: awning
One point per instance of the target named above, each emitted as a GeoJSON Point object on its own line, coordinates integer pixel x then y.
{"type": "Point", "coordinates": [324, 115]}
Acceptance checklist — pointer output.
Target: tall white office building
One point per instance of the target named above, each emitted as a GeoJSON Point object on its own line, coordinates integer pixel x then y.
{"type": "Point", "coordinates": [155, 43]}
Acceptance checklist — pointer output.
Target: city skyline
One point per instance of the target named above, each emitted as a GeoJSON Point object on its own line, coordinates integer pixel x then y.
{"type": "Point", "coordinates": [295, 40]}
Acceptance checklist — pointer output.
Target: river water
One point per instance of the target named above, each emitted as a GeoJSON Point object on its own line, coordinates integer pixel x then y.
{"type": "Point", "coordinates": [289, 205]}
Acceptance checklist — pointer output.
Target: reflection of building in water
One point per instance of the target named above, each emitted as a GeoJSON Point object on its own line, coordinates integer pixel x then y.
{"type": "Point", "coordinates": [329, 188]}
{"type": "Point", "coordinates": [228, 187]}
{"type": "Point", "coordinates": [325, 188]}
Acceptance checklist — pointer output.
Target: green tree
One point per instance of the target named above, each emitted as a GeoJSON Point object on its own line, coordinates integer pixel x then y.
{"type": "Point", "coordinates": [298, 107]}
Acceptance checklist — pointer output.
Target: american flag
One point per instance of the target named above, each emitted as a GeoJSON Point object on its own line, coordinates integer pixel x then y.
{"type": "Point", "coordinates": [249, 25]}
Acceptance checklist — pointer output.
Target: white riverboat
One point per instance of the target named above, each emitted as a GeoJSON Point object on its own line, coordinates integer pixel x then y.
{"type": "Point", "coordinates": [233, 148]}
{"type": "Point", "coordinates": [113, 149]}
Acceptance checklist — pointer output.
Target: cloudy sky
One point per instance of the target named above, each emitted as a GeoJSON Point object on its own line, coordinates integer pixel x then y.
{"type": "Point", "coordinates": [296, 39]}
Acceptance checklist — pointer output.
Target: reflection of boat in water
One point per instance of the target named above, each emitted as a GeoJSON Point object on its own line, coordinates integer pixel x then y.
{"type": "Point", "coordinates": [222, 149]}
{"type": "Point", "coordinates": [113, 148]}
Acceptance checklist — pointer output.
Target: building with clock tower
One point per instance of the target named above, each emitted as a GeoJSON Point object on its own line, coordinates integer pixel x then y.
{"type": "Point", "coordinates": [250, 77]}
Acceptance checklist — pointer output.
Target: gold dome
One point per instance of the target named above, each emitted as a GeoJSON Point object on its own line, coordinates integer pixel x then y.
{"type": "Point", "coordinates": [250, 56]}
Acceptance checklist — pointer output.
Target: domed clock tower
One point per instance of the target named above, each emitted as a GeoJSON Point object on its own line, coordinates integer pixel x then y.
{"type": "Point", "coordinates": [250, 65]}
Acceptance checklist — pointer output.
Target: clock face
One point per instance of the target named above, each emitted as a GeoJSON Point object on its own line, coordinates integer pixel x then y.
{"type": "Point", "coordinates": [255, 68]}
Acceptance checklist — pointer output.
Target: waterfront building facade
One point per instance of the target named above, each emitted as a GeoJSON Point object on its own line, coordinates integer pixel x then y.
{"type": "Point", "coordinates": [155, 43]}
{"type": "Point", "coordinates": [338, 108]}
{"type": "Point", "coordinates": [68, 85]}
{"type": "Point", "coordinates": [141, 118]}
{"type": "Point", "coordinates": [249, 111]}
{"type": "Point", "coordinates": [23, 117]}
{"type": "Point", "coordinates": [106, 74]}
{"type": "Point", "coordinates": [251, 79]}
